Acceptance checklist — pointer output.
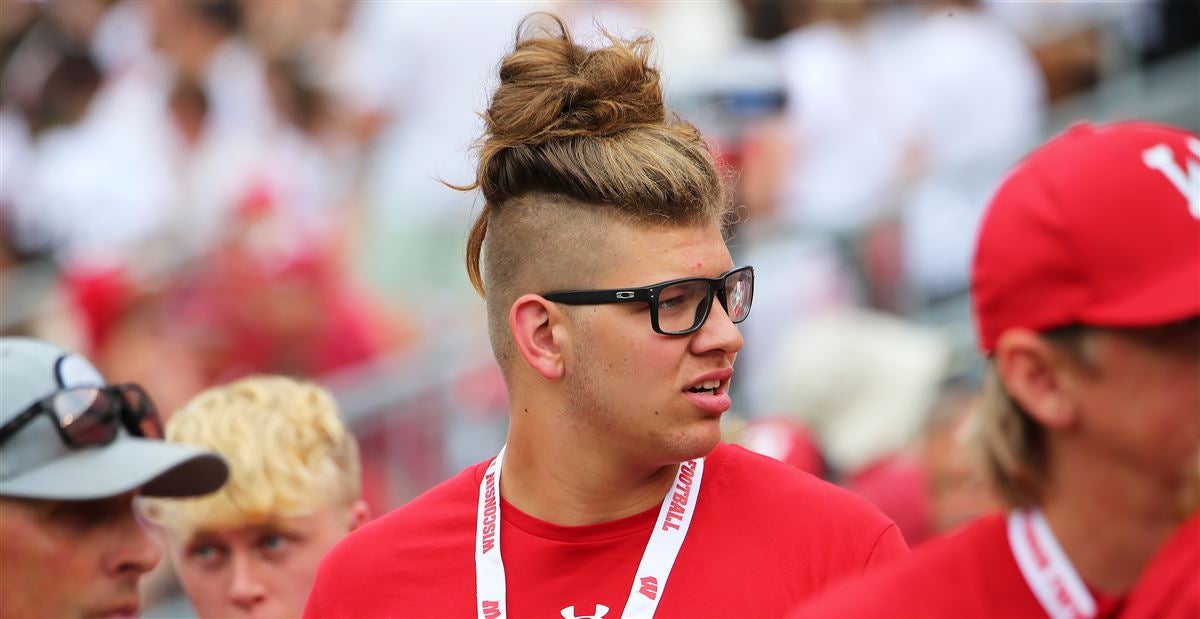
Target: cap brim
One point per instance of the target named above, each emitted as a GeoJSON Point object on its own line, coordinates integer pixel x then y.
{"type": "Point", "coordinates": [157, 467]}
{"type": "Point", "coordinates": [1170, 298]}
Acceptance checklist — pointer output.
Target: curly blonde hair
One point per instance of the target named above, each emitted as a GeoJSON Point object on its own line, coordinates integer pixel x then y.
{"type": "Point", "coordinates": [288, 451]}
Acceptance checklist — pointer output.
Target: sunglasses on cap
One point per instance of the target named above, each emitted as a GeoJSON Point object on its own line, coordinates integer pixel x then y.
{"type": "Point", "coordinates": [92, 416]}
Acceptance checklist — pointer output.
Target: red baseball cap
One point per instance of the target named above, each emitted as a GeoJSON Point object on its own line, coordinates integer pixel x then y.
{"type": "Point", "coordinates": [1099, 226]}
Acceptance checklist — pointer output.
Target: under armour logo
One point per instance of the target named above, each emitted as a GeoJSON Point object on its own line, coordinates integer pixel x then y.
{"type": "Point", "coordinates": [490, 610]}
{"type": "Point", "coordinates": [1160, 157]}
{"type": "Point", "coordinates": [649, 587]}
{"type": "Point", "coordinates": [569, 613]}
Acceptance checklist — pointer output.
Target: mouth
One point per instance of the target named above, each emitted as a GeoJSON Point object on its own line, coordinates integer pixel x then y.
{"type": "Point", "coordinates": [124, 611]}
{"type": "Point", "coordinates": [710, 391]}
{"type": "Point", "coordinates": [712, 387]}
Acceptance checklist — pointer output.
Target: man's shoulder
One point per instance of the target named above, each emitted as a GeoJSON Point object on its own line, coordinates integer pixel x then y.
{"type": "Point", "coordinates": [951, 576]}
{"type": "Point", "coordinates": [441, 514]}
{"type": "Point", "coordinates": [414, 558]}
{"type": "Point", "coordinates": [759, 478]}
{"type": "Point", "coordinates": [1168, 587]}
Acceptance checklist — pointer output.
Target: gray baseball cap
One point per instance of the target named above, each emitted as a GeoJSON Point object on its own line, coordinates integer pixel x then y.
{"type": "Point", "coordinates": [35, 463]}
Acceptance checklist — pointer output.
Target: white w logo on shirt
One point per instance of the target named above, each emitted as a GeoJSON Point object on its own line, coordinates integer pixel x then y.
{"type": "Point", "coordinates": [569, 613]}
{"type": "Point", "coordinates": [1160, 157]}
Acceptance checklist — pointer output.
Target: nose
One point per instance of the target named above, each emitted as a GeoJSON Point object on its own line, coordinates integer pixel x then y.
{"type": "Point", "coordinates": [718, 333]}
{"type": "Point", "coordinates": [132, 552]}
{"type": "Point", "coordinates": [246, 590]}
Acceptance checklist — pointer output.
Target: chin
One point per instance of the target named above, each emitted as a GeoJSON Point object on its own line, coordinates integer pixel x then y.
{"type": "Point", "coordinates": [696, 442]}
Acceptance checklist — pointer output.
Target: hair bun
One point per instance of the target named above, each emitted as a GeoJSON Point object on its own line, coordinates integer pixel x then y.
{"type": "Point", "coordinates": [577, 131]}
{"type": "Point", "coordinates": [552, 88]}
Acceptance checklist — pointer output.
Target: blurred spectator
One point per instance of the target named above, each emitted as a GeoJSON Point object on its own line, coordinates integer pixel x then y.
{"type": "Point", "coordinates": [74, 453]}
{"type": "Point", "coordinates": [203, 41]}
{"type": "Point", "coordinates": [779, 438]}
{"type": "Point", "coordinates": [407, 66]}
{"type": "Point", "coordinates": [144, 341]}
{"type": "Point", "coordinates": [960, 119]}
{"type": "Point", "coordinates": [252, 549]}
{"type": "Point", "coordinates": [848, 134]}
{"type": "Point", "coordinates": [955, 482]}
{"type": "Point", "coordinates": [862, 381]}
{"type": "Point", "coordinates": [975, 101]}
{"type": "Point", "coordinates": [896, 484]}
{"type": "Point", "coordinates": [294, 28]}
{"type": "Point", "coordinates": [49, 188]}
{"type": "Point", "coordinates": [258, 305]}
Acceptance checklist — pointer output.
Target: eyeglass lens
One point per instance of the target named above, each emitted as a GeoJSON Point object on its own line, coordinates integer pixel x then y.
{"type": "Point", "coordinates": [685, 305]}
{"type": "Point", "coordinates": [739, 293]}
{"type": "Point", "coordinates": [681, 306]}
{"type": "Point", "coordinates": [89, 415]}
{"type": "Point", "coordinates": [140, 414]}
{"type": "Point", "coordinates": [86, 415]}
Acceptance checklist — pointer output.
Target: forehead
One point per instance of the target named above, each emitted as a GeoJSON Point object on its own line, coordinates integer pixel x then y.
{"type": "Point", "coordinates": [1178, 340]}
{"type": "Point", "coordinates": [643, 255]}
{"type": "Point", "coordinates": [250, 531]}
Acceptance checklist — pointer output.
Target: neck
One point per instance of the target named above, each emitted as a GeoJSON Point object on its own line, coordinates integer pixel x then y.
{"type": "Point", "coordinates": [1109, 518]}
{"type": "Point", "coordinates": [563, 479]}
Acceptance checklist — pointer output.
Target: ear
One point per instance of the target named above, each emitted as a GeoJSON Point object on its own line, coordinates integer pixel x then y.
{"type": "Point", "coordinates": [1035, 374]}
{"type": "Point", "coordinates": [359, 514]}
{"type": "Point", "coordinates": [537, 332]}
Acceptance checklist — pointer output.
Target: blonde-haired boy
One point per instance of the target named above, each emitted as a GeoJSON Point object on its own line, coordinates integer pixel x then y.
{"type": "Point", "coordinates": [252, 549]}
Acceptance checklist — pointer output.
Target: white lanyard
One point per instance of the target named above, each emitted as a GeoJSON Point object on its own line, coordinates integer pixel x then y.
{"type": "Point", "coordinates": [1046, 567]}
{"type": "Point", "coordinates": [671, 527]}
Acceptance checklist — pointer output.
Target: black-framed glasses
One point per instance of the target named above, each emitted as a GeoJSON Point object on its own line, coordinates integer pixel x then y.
{"type": "Point", "coordinates": [87, 416]}
{"type": "Point", "coordinates": [680, 306]}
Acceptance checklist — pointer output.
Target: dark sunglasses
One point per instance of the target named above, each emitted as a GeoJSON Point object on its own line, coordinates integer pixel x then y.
{"type": "Point", "coordinates": [680, 306]}
{"type": "Point", "coordinates": [88, 416]}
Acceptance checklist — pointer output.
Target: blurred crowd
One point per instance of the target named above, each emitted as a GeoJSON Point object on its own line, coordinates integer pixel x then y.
{"type": "Point", "coordinates": [194, 192]}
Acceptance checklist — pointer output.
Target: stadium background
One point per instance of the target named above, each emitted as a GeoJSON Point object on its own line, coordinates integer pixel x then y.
{"type": "Point", "coordinates": [193, 192]}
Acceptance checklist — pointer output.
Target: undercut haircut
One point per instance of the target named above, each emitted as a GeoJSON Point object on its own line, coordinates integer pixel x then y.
{"type": "Point", "coordinates": [577, 140]}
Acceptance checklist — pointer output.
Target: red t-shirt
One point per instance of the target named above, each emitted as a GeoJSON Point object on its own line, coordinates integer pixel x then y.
{"type": "Point", "coordinates": [763, 537]}
{"type": "Point", "coordinates": [1169, 587]}
{"type": "Point", "coordinates": [970, 572]}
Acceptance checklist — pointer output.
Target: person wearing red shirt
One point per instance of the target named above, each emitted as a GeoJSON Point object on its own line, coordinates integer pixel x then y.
{"type": "Point", "coordinates": [1086, 298]}
{"type": "Point", "coordinates": [1169, 588]}
{"type": "Point", "coordinates": [612, 305]}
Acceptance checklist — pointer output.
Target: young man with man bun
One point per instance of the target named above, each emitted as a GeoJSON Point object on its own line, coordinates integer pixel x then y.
{"type": "Point", "coordinates": [612, 306]}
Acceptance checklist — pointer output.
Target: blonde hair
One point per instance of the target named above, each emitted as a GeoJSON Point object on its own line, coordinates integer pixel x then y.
{"type": "Point", "coordinates": [1009, 443]}
{"type": "Point", "coordinates": [288, 452]}
{"type": "Point", "coordinates": [1011, 446]}
{"type": "Point", "coordinates": [577, 139]}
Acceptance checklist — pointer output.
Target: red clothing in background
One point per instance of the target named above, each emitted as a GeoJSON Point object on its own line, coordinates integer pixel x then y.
{"type": "Point", "coordinates": [1169, 588]}
{"type": "Point", "coordinates": [970, 572]}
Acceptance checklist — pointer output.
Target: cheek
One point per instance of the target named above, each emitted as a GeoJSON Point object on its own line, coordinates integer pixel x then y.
{"type": "Point", "coordinates": [1156, 411]}
{"type": "Point", "coordinates": [77, 561]}
{"type": "Point", "coordinates": [649, 362]}
{"type": "Point", "coordinates": [291, 579]}
{"type": "Point", "coordinates": [302, 562]}
{"type": "Point", "coordinates": [24, 548]}
{"type": "Point", "coordinates": [205, 587]}
{"type": "Point", "coordinates": [1183, 419]}
{"type": "Point", "coordinates": [1171, 399]}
